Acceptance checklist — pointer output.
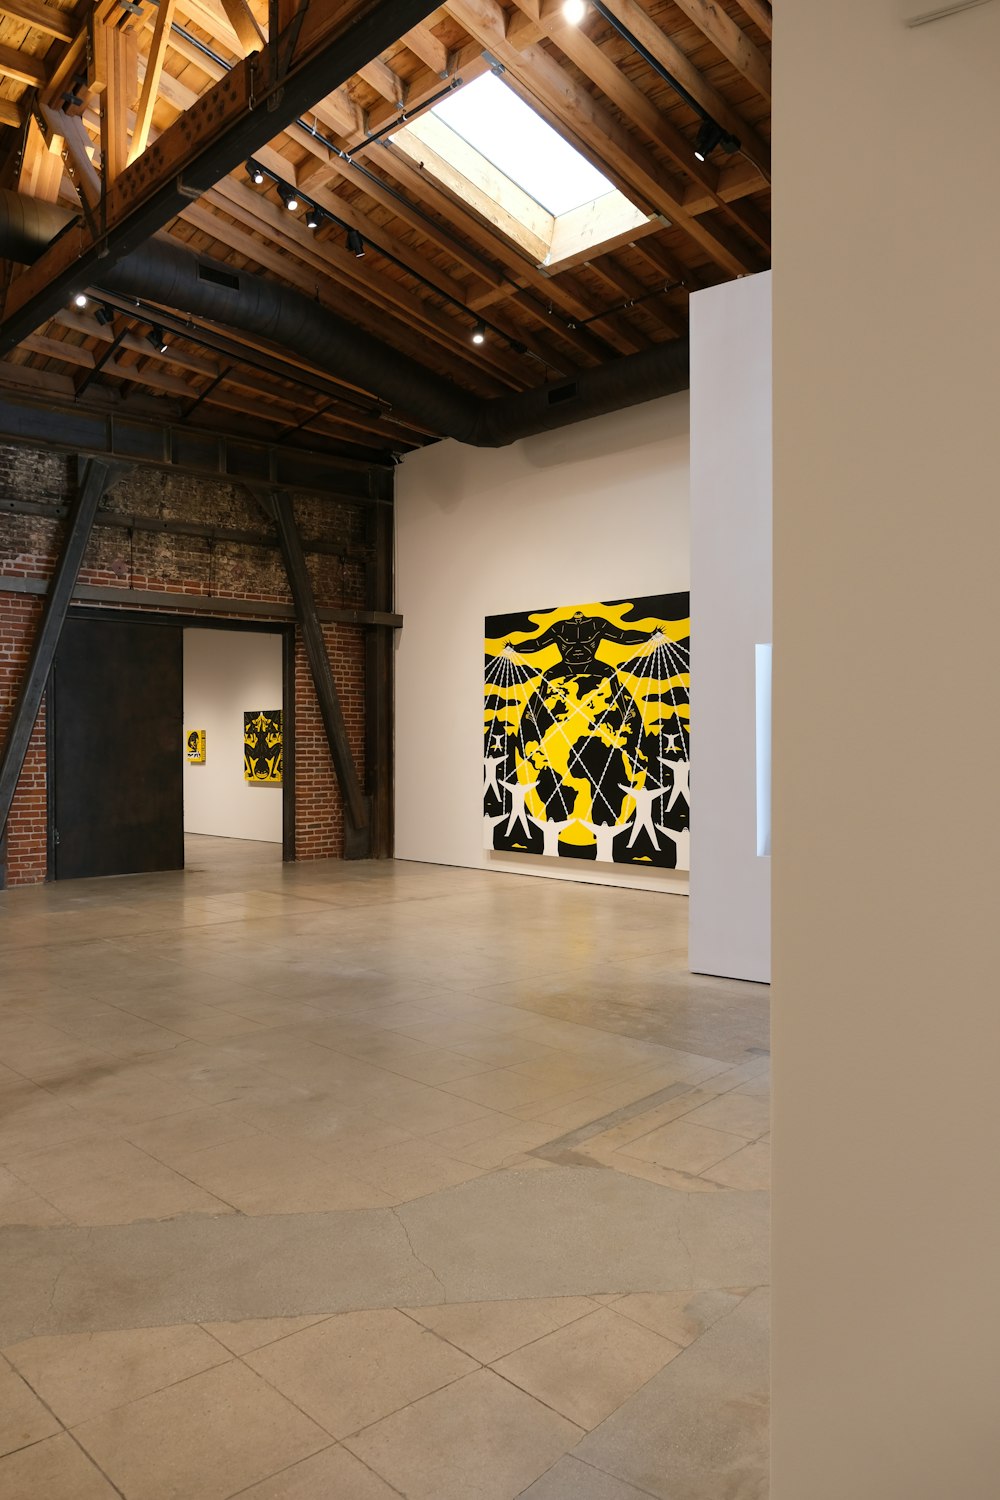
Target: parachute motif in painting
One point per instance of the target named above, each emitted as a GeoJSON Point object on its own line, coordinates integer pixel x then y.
{"type": "Point", "coordinates": [586, 732]}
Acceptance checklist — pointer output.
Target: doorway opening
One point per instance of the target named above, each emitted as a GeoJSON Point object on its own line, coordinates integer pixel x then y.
{"type": "Point", "coordinates": [129, 696]}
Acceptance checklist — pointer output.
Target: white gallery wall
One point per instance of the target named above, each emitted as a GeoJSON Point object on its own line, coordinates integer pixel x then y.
{"type": "Point", "coordinates": [886, 732]}
{"type": "Point", "coordinates": [226, 672]}
{"type": "Point", "coordinates": [596, 511]}
{"type": "Point", "coordinates": [730, 928]}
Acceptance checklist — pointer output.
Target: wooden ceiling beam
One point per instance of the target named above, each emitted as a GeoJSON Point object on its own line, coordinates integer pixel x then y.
{"type": "Point", "coordinates": [241, 18]}
{"type": "Point", "coordinates": [376, 235]}
{"type": "Point", "coordinates": [432, 53]}
{"type": "Point", "coordinates": [21, 67]}
{"type": "Point", "coordinates": [10, 114]}
{"type": "Point", "coordinates": [550, 291]}
{"type": "Point", "coordinates": [340, 299]}
{"type": "Point", "coordinates": [44, 18]}
{"type": "Point", "coordinates": [637, 107]}
{"type": "Point", "coordinates": [155, 58]}
{"type": "Point", "coordinates": [760, 12]}
{"type": "Point", "coordinates": [586, 119]}
{"type": "Point", "coordinates": [213, 137]}
{"type": "Point", "coordinates": [677, 62]}
{"type": "Point", "coordinates": [729, 39]}
{"type": "Point", "coordinates": [351, 172]}
{"type": "Point", "coordinates": [333, 260]}
{"type": "Point", "coordinates": [357, 287]}
{"type": "Point", "coordinates": [651, 299]}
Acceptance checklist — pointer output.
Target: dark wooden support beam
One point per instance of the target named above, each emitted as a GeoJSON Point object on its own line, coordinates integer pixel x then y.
{"type": "Point", "coordinates": [357, 807]}
{"type": "Point", "coordinates": [257, 99]}
{"type": "Point", "coordinates": [95, 481]}
{"type": "Point", "coordinates": [379, 676]}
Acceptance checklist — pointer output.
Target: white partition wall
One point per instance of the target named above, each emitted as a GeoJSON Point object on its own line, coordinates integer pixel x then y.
{"type": "Point", "coordinates": [731, 618]}
{"type": "Point", "coordinates": [886, 812]}
{"type": "Point", "coordinates": [226, 672]}
{"type": "Point", "coordinates": [595, 511]}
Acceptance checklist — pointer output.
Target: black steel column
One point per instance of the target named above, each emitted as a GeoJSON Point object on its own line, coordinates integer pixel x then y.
{"type": "Point", "coordinates": [357, 809]}
{"type": "Point", "coordinates": [96, 478]}
{"type": "Point", "coordinates": [380, 656]}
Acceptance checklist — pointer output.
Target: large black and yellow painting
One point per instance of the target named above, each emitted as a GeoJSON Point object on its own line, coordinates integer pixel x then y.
{"type": "Point", "coordinates": [262, 745]}
{"type": "Point", "coordinates": [586, 736]}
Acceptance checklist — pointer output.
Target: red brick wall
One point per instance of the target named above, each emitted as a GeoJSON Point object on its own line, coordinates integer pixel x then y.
{"type": "Point", "coordinates": [26, 841]}
{"type": "Point", "coordinates": [166, 563]}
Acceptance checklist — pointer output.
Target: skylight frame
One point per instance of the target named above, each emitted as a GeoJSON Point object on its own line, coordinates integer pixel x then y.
{"type": "Point", "coordinates": [552, 241]}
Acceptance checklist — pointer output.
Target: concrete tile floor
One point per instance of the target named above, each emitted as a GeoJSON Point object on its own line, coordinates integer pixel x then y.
{"type": "Point", "coordinates": [358, 1181]}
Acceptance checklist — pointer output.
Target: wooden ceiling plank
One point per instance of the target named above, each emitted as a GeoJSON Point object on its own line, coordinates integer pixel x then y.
{"type": "Point", "coordinates": [676, 62]}
{"type": "Point", "coordinates": [10, 114]}
{"type": "Point", "coordinates": [585, 117]}
{"type": "Point", "coordinates": [23, 68]}
{"type": "Point", "coordinates": [155, 58]}
{"type": "Point", "coordinates": [44, 18]}
{"type": "Point", "coordinates": [729, 39]}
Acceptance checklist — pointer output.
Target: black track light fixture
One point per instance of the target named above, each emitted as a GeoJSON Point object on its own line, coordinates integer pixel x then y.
{"type": "Point", "coordinates": [710, 135]}
{"type": "Point", "coordinates": [479, 333]}
{"type": "Point", "coordinates": [156, 338]}
{"type": "Point", "coordinates": [314, 217]}
{"type": "Point", "coordinates": [255, 172]}
{"type": "Point", "coordinates": [355, 243]}
{"type": "Point", "coordinates": [289, 198]}
{"type": "Point", "coordinates": [104, 314]}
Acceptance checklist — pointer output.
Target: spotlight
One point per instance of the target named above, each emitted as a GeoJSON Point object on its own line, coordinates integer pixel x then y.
{"type": "Point", "coordinates": [314, 217]}
{"type": "Point", "coordinates": [711, 135]}
{"type": "Point", "coordinates": [155, 337]}
{"type": "Point", "coordinates": [479, 334]}
{"type": "Point", "coordinates": [574, 11]}
{"type": "Point", "coordinates": [255, 172]}
{"type": "Point", "coordinates": [355, 243]}
{"type": "Point", "coordinates": [289, 198]}
{"type": "Point", "coordinates": [80, 300]}
{"type": "Point", "coordinates": [105, 315]}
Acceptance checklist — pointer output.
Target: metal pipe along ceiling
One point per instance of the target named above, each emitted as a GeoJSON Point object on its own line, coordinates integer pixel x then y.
{"type": "Point", "coordinates": [164, 272]}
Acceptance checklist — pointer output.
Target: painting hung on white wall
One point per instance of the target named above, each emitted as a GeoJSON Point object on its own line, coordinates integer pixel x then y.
{"type": "Point", "coordinates": [586, 732]}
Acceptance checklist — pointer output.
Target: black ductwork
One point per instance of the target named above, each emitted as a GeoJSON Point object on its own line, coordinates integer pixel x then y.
{"type": "Point", "coordinates": [165, 273]}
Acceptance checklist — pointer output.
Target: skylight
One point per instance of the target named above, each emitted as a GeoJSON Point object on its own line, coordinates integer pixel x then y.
{"type": "Point", "coordinates": [506, 164]}
{"type": "Point", "coordinates": [508, 133]}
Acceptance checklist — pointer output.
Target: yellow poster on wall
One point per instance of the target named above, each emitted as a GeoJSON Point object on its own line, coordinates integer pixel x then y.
{"type": "Point", "coordinates": [262, 746]}
{"type": "Point", "coordinates": [194, 746]}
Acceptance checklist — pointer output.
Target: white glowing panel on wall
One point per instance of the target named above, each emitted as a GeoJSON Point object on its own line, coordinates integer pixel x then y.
{"type": "Point", "coordinates": [763, 749]}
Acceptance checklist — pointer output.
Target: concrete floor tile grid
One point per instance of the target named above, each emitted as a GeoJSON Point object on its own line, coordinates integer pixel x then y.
{"type": "Point", "coordinates": [313, 1183]}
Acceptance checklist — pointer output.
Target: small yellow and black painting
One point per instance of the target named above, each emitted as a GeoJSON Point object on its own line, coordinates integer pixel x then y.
{"type": "Point", "coordinates": [587, 732]}
{"type": "Point", "coordinates": [262, 745]}
{"type": "Point", "coordinates": [194, 746]}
